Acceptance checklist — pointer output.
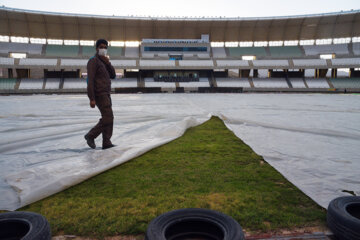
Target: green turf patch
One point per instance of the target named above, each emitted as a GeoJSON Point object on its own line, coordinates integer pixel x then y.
{"type": "Point", "coordinates": [208, 167]}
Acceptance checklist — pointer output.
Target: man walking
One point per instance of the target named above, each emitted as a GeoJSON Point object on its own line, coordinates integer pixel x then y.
{"type": "Point", "coordinates": [100, 70]}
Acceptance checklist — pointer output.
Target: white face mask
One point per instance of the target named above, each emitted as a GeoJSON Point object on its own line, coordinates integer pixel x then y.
{"type": "Point", "coordinates": [102, 51]}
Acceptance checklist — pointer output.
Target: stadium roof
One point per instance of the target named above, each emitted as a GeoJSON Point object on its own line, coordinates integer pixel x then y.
{"type": "Point", "coordinates": [38, 24]}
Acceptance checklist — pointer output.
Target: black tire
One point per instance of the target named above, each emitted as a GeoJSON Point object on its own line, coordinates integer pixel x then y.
{"type": "Point", "coordinates": [24, 226]}
{"type": "Point", "coordinates": [343, 217]}
{"type": "Point", "coordinates": [194, 223]}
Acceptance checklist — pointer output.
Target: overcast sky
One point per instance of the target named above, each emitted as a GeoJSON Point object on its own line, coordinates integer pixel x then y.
{"type": "Point", "coordinates": [189, 8]}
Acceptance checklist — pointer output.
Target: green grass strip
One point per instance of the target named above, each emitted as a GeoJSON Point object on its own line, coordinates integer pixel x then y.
{"type": "Point", "coordinates": [208, 167]}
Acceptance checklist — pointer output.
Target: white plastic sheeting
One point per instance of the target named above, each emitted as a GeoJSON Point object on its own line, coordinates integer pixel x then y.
{"type": "Point", "coordinates": [313, 140]}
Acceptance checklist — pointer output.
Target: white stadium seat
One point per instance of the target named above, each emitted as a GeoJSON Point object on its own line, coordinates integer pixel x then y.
{"type": "Point", "coordinates": [37, 62]}
{"type": "Point", "coordinates": [297, 83]}
{"type": "Point", "coordinates": [28, 83]}
{"type": "Point", "coordinates": [75, 83]}
{"type": "Point", "coordinates": [157, 63]}
{"type": "Point", "coordinates": [356, 48]}
{"type": "Point", "coordinates": [203, 55]}
{"type": "Point", "coordinates": [149, 82]}
{"type": "Point", "coordinates": [74, 62]}
{"type": "Point", "coordinates": [123, 63]}
{"type": "Point", "coordinates": [270, 83]}
{"type": "Point", "coordinates": [124, 82]}
{"type": "Point", "coordinates": [317, 83]}
{"type": "Point", "coordinates": [338, 49]}
{"type": "Point", "coordinates": [232, 63]}
{"type": "Point", "coordinates": [298, 63]}
{"type": "Point", "coordinates": [219, 52]}
{"type": "Point", "coordinates": [233, 82]}
{"type": "Point", "coordinates": [132, 52]}
{"type": "Point", "coordinates": [346, 62]}
{"type": "Point", "coordinates": [203, 82]}
{"type": "Point", "coordinates": [6, 61]}
{"type": "Point", "coordinates": [196, 63]}
{"type": "Point", "coordinates": [263, 73]}
{"type": "Point", "coordinates": [271, 63]}
{"type": "Point", "coordinates": [148, 55]}
{"type": "Point", "coordinates": [52, 83]}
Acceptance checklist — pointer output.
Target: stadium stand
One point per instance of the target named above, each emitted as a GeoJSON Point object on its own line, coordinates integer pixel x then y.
{"type": "Point", "coordinates": [156, 63]}
{"type": "Point", "coordinates": [7, 83]}
{"type": "Point", "coordinates": [309, 73]}
{"type": "Point", "coordinates": [124, 83]}
{"type": "Point", "coordinates": [10, 47]}
{"type": "Point", "coordinates": [338, 49]}
{"type": "Point", "coordinates": [356, 48]}
{"type": "Point", "coordinates": [233, 82]}
{"type": "Point", "coordinates": [203, 82]}
{"type": "Point", "coordinates": [194, 63]}
{"type": "Point", "coordinates": [115, 52]}
{"type": "Point", "coordinates": [297, 83]}
{"type": "Point", "coordinates": [52, 83]}
{"type": "Point", "coordinates": [345, 62]}
{"type": "Point", "coordinates": [285, 52]}
{"type": "Point", "coordinates": [232, 63]}
{"type": "Point", "coordinates": [299, 63]}
{"type": "Point", "coordinates": [270, 83]}
{"type": "Point", "coordinates": [75, 83]}
{"type": "Point", "coordinates": [203, 55]}
{"type": "Point", "coordinates": [345, 82]}
{"type": "Point", "coordinates": [132, 52]}
{"type": "Point", "coordinates": [263, 73]}
{"type": "Point", "coordinates": [342, 73]}
{"type": "Point", "coordinates": [6, 61]}
{"type": "Point", "coordinates": [317, 83]}
{"type": "Point", "coordinates": [30, 83]}
{"type": "Point", "coordinates": [122, 63]}
{"type": "Point", "coordinates": [88, 51]}
{"type": "Point", "coordinates": [219, 52]}
{"type": "Point", "coordinates": [149, 82]}
{"type": "Point", "coordinates": [73, 62]}
{"type": "Point", "coordinates": [37, 62]}
{"type": "Point", "coordinates": [271, 63]}
{"type": "Point", "coordinates": [245, 51]}
{"type": "Point", "coordinates": [147, 55]}
{"type": "Point", "coordinates": [61, 51]}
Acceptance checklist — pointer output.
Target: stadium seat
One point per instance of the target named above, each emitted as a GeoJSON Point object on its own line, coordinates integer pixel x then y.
{"type": "Point", "coordinates": [115, 52]}
{"type": "Point", "coordinates": [219, 52]}
{"type": "Point", "coordinates": [286, 51]}
{"type": "Point", "coordinates": [245, 51]}
{"type": "Point", "coordinates": [88, 51]}
{"type": "Point", "coordinates": [297, 83]}
{"type": "Point", "coordinates": [37, 62]}
{"type": "Point", "coordinates": [270, 83]}
{"type": "Point", "coordinates": [233, 82]}
{"type": "Point", "coordinates": [232, 63]}
{"type": "Point", "coordinates": [29, 83]}
{"type": "Point", "coordinates": [75, 83]}
{"type": "Point", "coordinates": [317, 83]}
{"type": "Point", "coordinates": [346, 82]}
{"type": "Point", "coordinates": [124, 83]}
{"type": "Point", "coordinates": [61, 51]}
{"type": "Point", "coordinates": [132, 52]}
{"type": "Point", "coordinates": [7, 83]}
{"type": "Point", "coordinates": [52, 83]}
{"type": "Point", "coordinates": [338, 49]}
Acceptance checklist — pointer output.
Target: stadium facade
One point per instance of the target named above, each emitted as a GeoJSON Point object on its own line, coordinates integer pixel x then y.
{"type": "Point", "coordinates": [48, 52]}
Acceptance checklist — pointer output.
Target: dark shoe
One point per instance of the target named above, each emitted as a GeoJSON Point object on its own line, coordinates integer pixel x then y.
{"type": "Point", "coordinates": [108, 146]}
{"type": "Point", "coordinates": [90, 141]}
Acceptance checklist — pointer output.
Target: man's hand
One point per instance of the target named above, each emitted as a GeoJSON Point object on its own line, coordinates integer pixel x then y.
{"type": "Point", "coordinates": [92, 103]}
{"type": "Point", "coordinates": [105, 59]}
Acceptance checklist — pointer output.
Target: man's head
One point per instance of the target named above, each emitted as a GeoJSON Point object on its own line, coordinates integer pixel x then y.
{"type": "Point", "coordinates": [101, 47]}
